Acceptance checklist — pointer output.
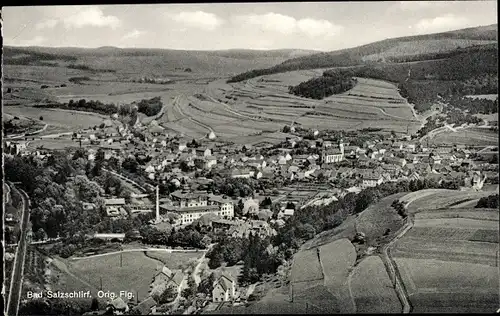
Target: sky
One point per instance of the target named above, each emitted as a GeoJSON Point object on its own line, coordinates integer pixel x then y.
{"type": "Point", "coordinates": [301, 25]}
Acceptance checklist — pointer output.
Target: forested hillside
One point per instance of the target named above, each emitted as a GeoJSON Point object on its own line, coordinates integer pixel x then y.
{"type": "Point", "coordinates": [413, 48]}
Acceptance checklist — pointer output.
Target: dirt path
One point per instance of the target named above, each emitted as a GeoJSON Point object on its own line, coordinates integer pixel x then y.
{"type": "Point", "coordinates": [392, 268]}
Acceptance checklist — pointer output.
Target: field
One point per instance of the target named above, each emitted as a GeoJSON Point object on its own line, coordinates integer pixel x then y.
{"type": "Point", "coordinates": [200, 102]}
{"type": "Point", "coordinates": [378, 218]}
{"type": "Point", "coordinates": [467, 136]}
{"type": "Point", "coordinates": [372, 289]}
{"type": "Point", "coordinates": [134, 275]}
{"type": "Point", "coordinates": [306, 266]}
{"type": "Point", "coordinates": [323, 272]}
{"type": "Point", "coordinates": [449, 253]}
{"type": "Point", "coordinates": [443, 286]}
{"type": "Point", "coordinates": [435, 199]}
{"type": "Point", "coordinates": [56, 117]}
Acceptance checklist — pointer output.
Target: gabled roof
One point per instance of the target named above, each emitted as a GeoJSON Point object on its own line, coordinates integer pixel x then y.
{"type": "Point", "coordinates": [178, 277]}
{"type": "Point", "coordinates": [118, 304]}
{"type": "Point", "coordinates": [145, 306]}
{"type": "Point", "coordinates": [166, 271]}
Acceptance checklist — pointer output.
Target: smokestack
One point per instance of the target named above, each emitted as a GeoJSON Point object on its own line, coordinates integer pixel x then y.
{"type": "Point", "coordinates": [157, 204]}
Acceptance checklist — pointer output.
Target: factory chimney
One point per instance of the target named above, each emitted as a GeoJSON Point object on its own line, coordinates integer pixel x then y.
{"type": "Point", "coordinates": [157, 204]}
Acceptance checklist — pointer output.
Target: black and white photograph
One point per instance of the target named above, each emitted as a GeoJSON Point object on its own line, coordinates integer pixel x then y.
{"type": "Point", "coordinates": [250, 158]}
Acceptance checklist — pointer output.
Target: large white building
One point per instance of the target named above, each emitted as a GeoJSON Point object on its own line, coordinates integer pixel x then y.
{"type": "Point", "coordinates": [191, 206]}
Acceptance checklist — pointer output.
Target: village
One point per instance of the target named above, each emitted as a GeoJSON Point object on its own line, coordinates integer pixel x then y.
{"type": "Point", "coordinates": [176, 182]}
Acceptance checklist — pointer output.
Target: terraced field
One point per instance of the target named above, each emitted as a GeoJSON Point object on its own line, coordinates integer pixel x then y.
{"type": "Point", "coordinates": [371, 103]}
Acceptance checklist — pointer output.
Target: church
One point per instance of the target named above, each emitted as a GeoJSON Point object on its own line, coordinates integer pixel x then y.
{"type": "Point", "coordinates": [333, 155]}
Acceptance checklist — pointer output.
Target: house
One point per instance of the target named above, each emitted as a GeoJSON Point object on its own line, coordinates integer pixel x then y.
{"type": "Point", "coordinates": [397, 146]}
{"type": "Point", "coordinates": [176, 280]}
{"type": "Point", "coordinates": [286, 213]}
{"type": "Point", "coordinates": [163, 275]}
{"type": "Point", "coordinates": [146, 307]}
{"type": "Point", "coordinates": [226, 205]}
{"type": "Point", "coordinates": [371, 180]}
{"type": "Point", "coordinates": [224, 288]}
{"type": "Point", "coordinates": [244, 173]}
{"type": "Point", "coordinates": [88, 206]}
{"type": "Point", "coordinates": [210, 161]}
{"type": "Point", "coordinates": [114, 207]}
{"type": "Point", "coordinates": [203, 152]}
{"type": "Point", "coordinates": [118, 306]}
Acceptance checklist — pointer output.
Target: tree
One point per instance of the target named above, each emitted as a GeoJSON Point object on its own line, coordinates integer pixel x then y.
{"type": "Point", "coordinates": [216, 259]}
{"type": "Point", "coordinates": [167, 296]}
{"type": "Point", "coordinates": [40, 234]}
{"type": "Point", "coordinates": [41, 118]}
{"type": "Point", "coordinates": [94, 306]}
{"type": "Point", "coordinates": [286, 129]}
{"type": "Point", "coordinates": [190, 291]}
{"type": "Point", "coordinates": [207, 285]}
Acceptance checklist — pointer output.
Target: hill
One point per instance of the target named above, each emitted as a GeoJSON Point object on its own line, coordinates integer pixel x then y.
{"type": "Point", "coordinates": [414, 47]}
{"type": "Point", "coordinates": [222, 62]}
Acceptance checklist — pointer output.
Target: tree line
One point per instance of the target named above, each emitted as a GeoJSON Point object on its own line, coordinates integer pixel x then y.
{"type": "Point", "coordinates": [150, 107]}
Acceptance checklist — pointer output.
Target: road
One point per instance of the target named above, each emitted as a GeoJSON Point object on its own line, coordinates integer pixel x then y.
{"type": "Point", "coordinates": [16, 282]}
{"type": "Point", "coordinates": [196, 271]}
{"type": "Point", "coordinates": [137, 250]}
{"type": "Point", "coordinates": [392, 269]}
{"type": "Point", "coordinates": [30, 134]}
{"type": "Point", "coordinates": [179, 109]}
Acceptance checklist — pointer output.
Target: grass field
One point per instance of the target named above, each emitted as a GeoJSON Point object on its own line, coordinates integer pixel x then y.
{"type": "Point", "coordinates": [467, 136]}
{"type": "Point", "coordinates": [337, 259]}
{"type": "Point", "coordinates": [435, 199]}
{"type": "Point", "coordinates": [345, 230]}
{"type": "Point", "coordinates": [484, 214]}
{"type": "Point", "coordinates": [378, 218]}
{"type": "Point", "coordinates": [372, 289]}
{"type": "Point", "coordinates": [437, 286]}
{"type": "Point", "coordinates": [306, 266]}
{"type": "Point", "coordinates": [134, 275]}
{"type": "Point", "coordinates": [57, 118]}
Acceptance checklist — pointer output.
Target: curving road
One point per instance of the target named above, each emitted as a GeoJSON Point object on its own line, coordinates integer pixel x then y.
{"type": "Point", "coordinates": [16, 282]}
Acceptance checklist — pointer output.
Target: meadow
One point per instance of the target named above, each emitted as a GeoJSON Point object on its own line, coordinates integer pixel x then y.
{"type": "Point", "coordinates": [378, 219]}
{"type": "Point", "coordinates": [57, 118]}
{"type": "Point", "coordinates": [134, 275]}
{"type": "Point", "coordinates": [372, 289]}
{"type": "Point", "coordinates": [437, 286]}
{"type": "Point", "coordinates": [449, 252]}
{"type": "Point", "coordinates": [467, 136]}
